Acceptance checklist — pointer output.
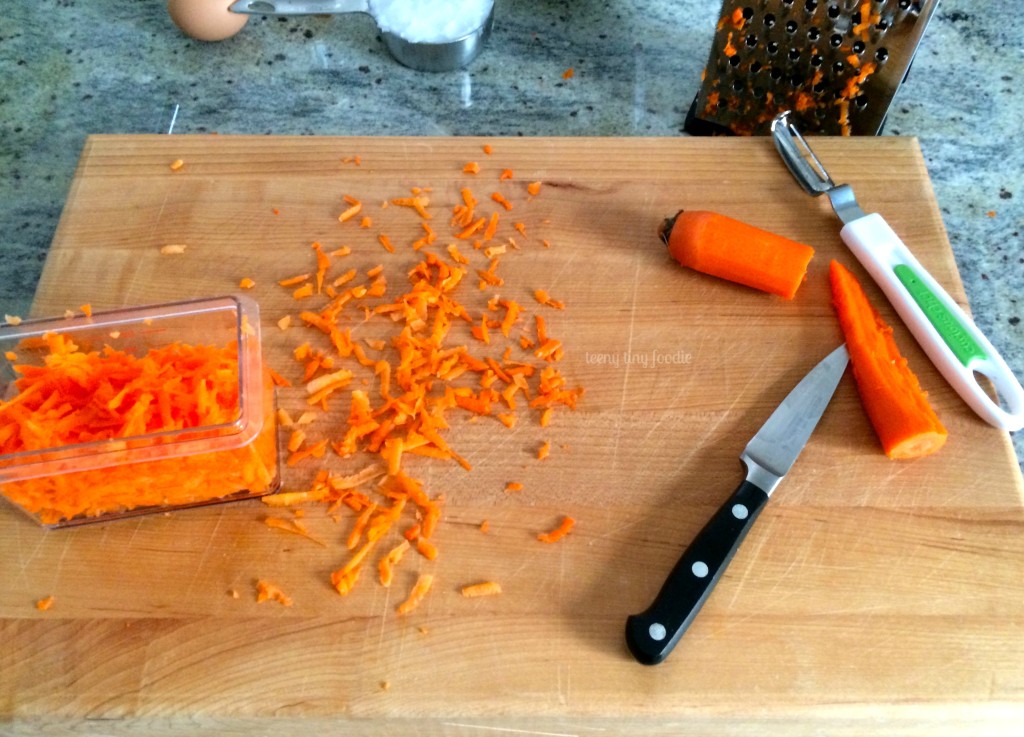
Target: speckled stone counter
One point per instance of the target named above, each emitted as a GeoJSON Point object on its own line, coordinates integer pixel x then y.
{"type": "Point", "coordinates": [70, 69]}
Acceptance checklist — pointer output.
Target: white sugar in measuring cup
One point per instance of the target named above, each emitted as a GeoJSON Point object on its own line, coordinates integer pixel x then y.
{"type": "Point", "coordinates": [432, 36]}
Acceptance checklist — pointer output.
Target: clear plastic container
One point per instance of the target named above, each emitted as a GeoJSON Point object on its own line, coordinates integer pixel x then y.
{"type": "Point", "coordinates": [135, 411]}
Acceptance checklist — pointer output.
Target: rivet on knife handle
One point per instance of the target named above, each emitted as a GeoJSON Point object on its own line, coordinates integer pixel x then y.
{"type": "Point", "coordinates": [653, 634]}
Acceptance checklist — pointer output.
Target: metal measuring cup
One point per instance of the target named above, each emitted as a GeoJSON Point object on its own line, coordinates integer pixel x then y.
{"type": "Point", "coordinates": [422, 56]}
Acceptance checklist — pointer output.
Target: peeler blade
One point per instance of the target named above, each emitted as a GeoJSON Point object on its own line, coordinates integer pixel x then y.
{"type": "Point", "coordinates": [808, 170]}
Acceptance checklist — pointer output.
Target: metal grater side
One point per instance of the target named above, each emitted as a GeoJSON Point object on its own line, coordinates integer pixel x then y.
{"type": "Point", "coordinates": [836, 64]}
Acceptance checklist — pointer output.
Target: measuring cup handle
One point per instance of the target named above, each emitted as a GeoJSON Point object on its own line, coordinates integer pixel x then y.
{"type": "Point", "coordinates": [952, 341]}
{"type": "Point", "coordinates": [299, 7]}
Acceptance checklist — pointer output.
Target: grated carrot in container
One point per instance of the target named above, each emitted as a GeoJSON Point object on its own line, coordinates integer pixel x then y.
{"type": "Point", "coordinates": [77, 397]}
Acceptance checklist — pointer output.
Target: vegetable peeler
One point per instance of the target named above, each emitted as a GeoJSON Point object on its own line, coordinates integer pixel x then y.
{"type": "Point", "coordinates": [952, 341]}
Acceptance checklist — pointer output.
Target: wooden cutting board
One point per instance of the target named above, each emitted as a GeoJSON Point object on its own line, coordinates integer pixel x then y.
{"type": "Point", "coordinates": [871, 596]}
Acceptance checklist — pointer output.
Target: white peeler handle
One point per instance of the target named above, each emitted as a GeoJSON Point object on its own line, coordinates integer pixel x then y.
{"type": "Point", "coordinates": [952, 341]}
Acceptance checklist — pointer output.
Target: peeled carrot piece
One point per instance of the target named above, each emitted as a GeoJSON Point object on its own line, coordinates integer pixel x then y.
{"type": "Point", "coordinates": [729, 249]}
{"type": "Point", "coordinates": [904, 421]}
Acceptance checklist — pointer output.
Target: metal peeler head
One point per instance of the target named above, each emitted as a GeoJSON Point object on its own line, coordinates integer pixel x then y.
{"type": "Point", "coordinates": [809, 171]}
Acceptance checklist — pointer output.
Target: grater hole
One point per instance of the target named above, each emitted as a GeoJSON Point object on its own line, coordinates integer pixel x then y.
{"type": "Point", "coordinates": [855, 18]}
{"type": "Point", "coordinates": [838, 67]}
{"type": "Point", "coordinates": [794, 54]}
{"type": "Point", "coordinates": [734, 60]}
{"type": "Point", "coordinates": [834, 11]}
{"type": "Point", "coordinates": [882, 55]}
{"type": "Point", "coordinates": [751, 41]}
{"type": "Point", "coordinates": [835, 41]}
{"type": "Point", "coordinates": [768, 20]}
{"type": "Point", "coordinates": [791, 26]}
{"type": "Point", "coordinates": [817, 60]}
{"type": "Point", "coordinates": [748, 13]}
{"type": "Point", "coordinates": [796, 81]}
{"type": "Point", "coordinates": [775, 73]}
{"type": "Point", "coordinates": [772, 48]}
{"type": "Point", "coordinates": [861, 101]}
{"type": "Point", "coordinates": [813, 34]}
{"type": "Point", "coordinates": [882, 26]}
{"type": "Point", "coordinates": [819, 88]}
{"type": "Point", "coordinates": [811, 5]}
{"type": "Point", "coordinates": [738, 85]}
{"type": "Point", "coordinates": [858, 47]}
{"type": "Point", "coordinates": [756, 67]}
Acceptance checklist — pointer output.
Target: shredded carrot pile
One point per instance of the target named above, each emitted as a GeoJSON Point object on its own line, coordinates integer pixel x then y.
{"type": "Point", "coordinates": [77, 397]}
{"type": "Point", "coordinates": [397, 397]}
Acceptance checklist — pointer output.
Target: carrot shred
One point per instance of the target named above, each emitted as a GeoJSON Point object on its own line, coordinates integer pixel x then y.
{"type": "Point", "coordinates": [471, 168]}
{"type": "Point", "coordinates": [293, 526]}
{"type": "Point", "coordinates": [417, 594]}
{"type": "Point", "coordinates": [426, 548]}
{"type": "Point", "coordinates": [386, 566]}
{"type": "Point", "coordinates": [266, 591]}
{"type": "Point", "coordinates": [563, 529]}
{"type": "Point", "coordinates": [903, 419]}
{"type": "Point", "coordinates": [544, 450]}
{"type": "Point", "coordinates": [355, 207]}
{"type": "Point", "coordinates": [533, 188]}
{"type": "Point", "coordinates": [485, 588]}
{"type": "Point", "coordinates": [501, 200]}
{"type": "Point", "coordinates": [513, 486]}
{"type": "Point", "coordinates": [45, 603]}
{"type": "Point", "coordinates": [505, 174]}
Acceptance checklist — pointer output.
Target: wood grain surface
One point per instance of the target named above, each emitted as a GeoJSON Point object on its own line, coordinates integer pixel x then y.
{"type": "Point", "coordinates": [872, 596]}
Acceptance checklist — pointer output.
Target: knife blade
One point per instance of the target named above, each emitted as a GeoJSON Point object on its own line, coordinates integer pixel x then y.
{"type": "Point", "coordinates": [652, 634]}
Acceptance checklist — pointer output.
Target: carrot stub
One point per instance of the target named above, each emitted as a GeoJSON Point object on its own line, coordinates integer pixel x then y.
{"type": "Point", "coordinates": [904, 421]}
{"type": "Point", "coordinates": [729, 249]}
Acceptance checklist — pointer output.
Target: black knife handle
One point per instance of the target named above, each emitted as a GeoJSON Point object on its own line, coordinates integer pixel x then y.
{"type": "Point", "coordinates": [652, 634]}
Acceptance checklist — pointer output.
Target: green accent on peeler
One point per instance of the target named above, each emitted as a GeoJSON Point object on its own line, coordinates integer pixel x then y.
{"type": "Point", "coordinates": [964, 347]}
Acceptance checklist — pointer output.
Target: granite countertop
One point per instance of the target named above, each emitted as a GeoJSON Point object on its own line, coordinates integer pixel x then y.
{"type": "Point", "coordinates": [71, 69]}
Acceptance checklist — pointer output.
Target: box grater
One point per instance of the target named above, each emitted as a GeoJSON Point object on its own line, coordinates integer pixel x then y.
{"type": "Point", "coordinates": [835, 64]}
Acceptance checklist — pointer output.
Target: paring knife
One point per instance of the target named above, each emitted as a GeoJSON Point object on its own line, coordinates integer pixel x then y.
{"type": "Point", "coordinates": [959, 350]}
{"type": "Point", "coordinates": [769, 455]}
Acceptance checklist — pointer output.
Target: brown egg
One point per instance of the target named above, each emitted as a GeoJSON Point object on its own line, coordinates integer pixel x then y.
{"type": "Point", "coordinates": [206, 20]}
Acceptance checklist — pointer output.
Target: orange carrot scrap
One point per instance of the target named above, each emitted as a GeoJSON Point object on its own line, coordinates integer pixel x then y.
{"type": "Point", "coordinates": [354, 208]}
{"type": "Point", "coordinates": [173, 249]}
{"type": "Point", "coordinates": [266, 591]}
{"type": "Point", "coordinates": [293, 526]}
{"type": "Point", "coordinates": [471, 168]}
{"type": "Point", "coordinates": [45, 603]}
{"type": "Point", "coordinates": [386, 566]}
{"type": "Point", "coordinates": [533, 188]}
{"type": "Point", "coordinates": [488, 149]}
{"type": "Point", "coordinates": [485, 588]}
{"type": "Point", "coordinates": [386, 242]}
{"type": "Point", "coordinates": [544, 450]}
{"type": "Point", "coordinates": [426, 548]}
{"type": "Point", "coordinates": [294, 280]}
{"type": "Point", "coordinates": [177, 164]}
{"type": "Point", "coordinates": [246, 283]}
{"type": "Point", "coordinates": [306, 290]}
{"type": "Point", "coordinates": [563, 529]}
{"type": "Point", "coordinates": [416, 596]}
{"type": "Point", "coordinates": [505, 174]}
{"type": "Point", "coordinates": [568, 73]}
{"type": "Point", "coordinates": [501, 200]}
{"type": "Point", "coordinates": [513, 486]}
